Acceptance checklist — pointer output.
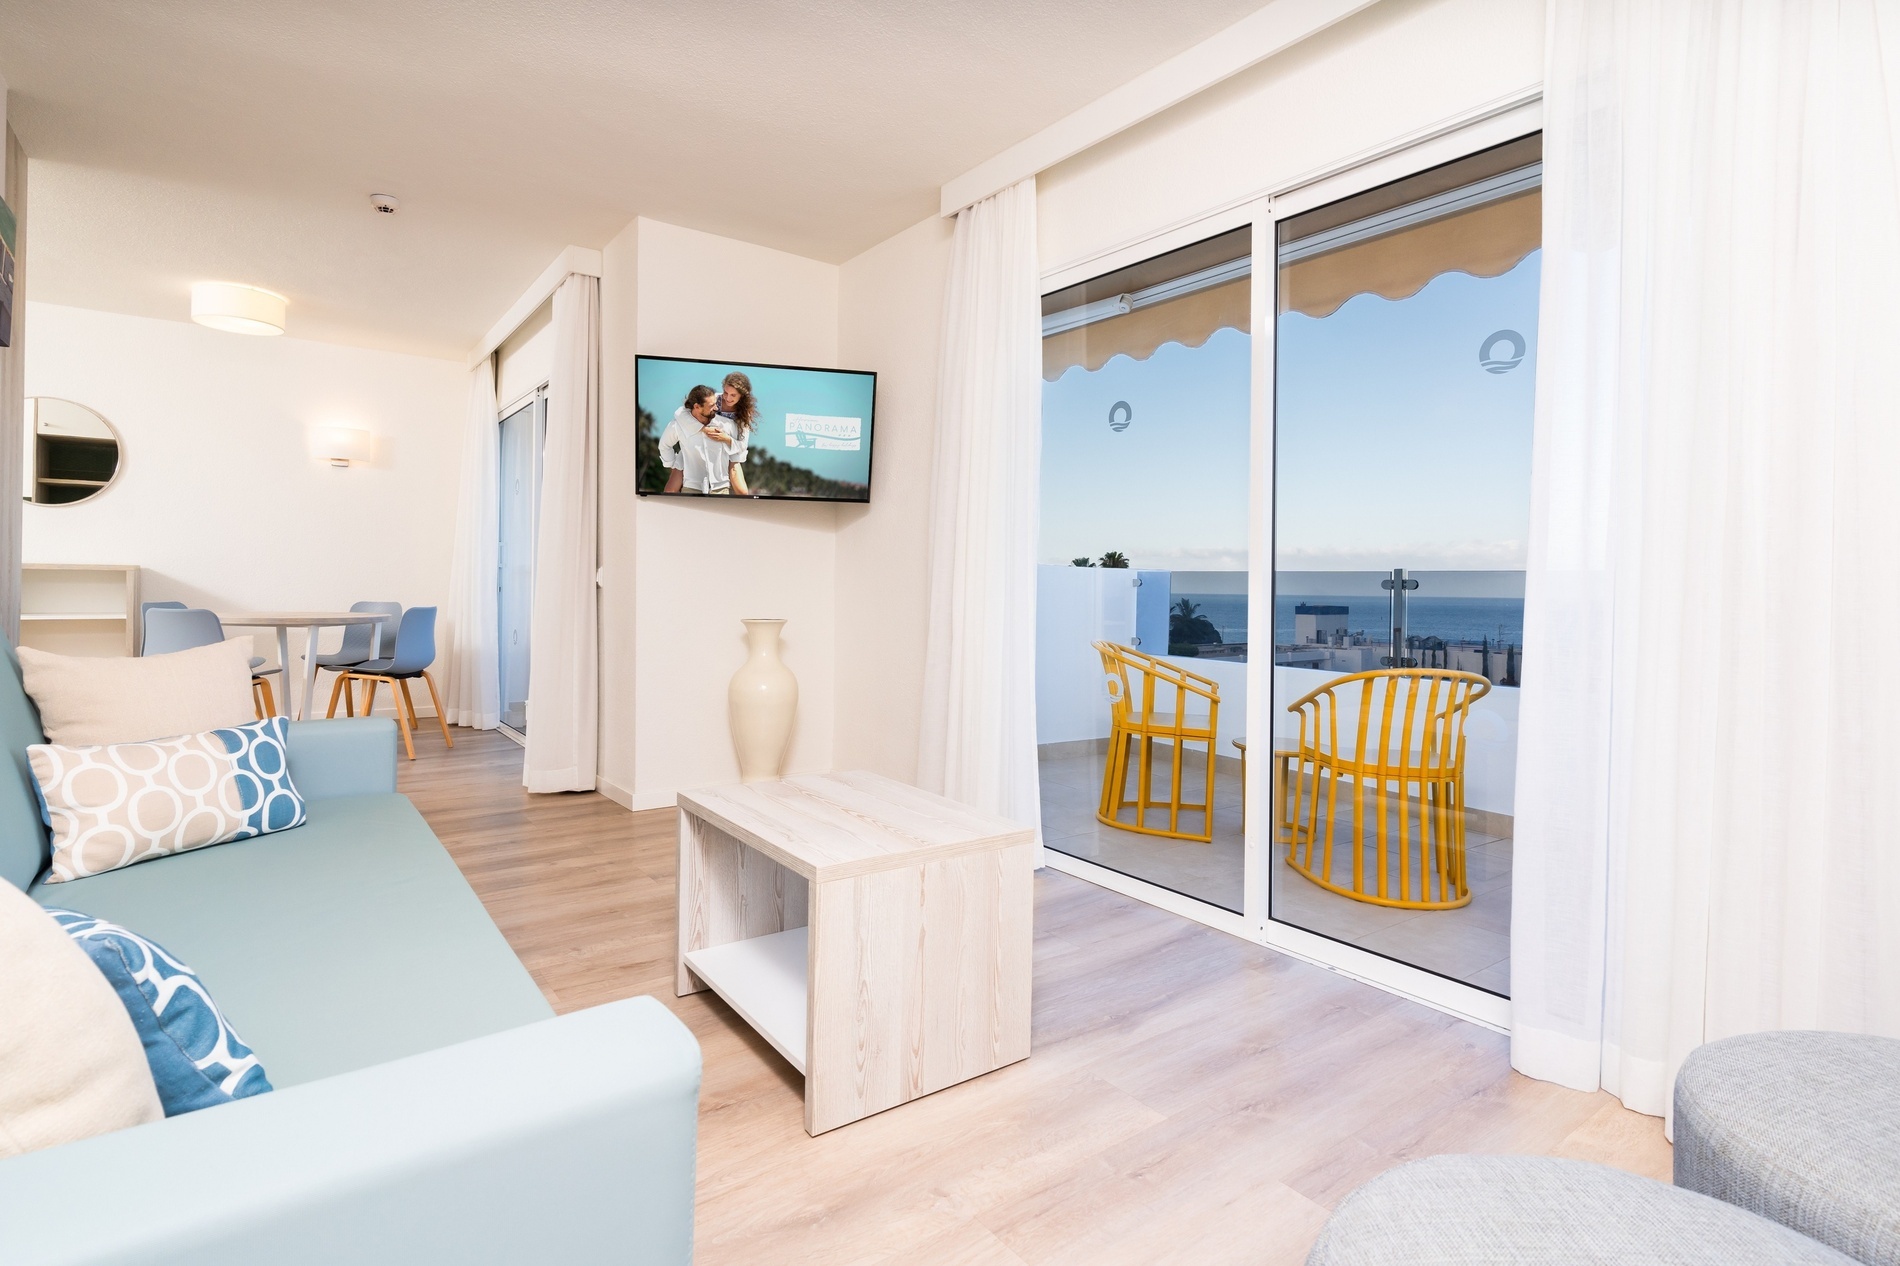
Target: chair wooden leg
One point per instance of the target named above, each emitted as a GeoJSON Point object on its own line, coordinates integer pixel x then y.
{"type": "Point", "coordinates": [1207, 805]}
{"type": "Point", "coordinates": [1111, 789]}
{"type": "Point", "coordinates": [1177, 754]}
{"type": "Point", "coordinates": [342, 680]}
{"type": "Point", "coordinates": [436, 699]}
{"type": "Point", "coordinates": [1144, 782]}
{"type": "Point", "coordinates": [262, 699]}
{"type": "Point", "coordinates": [407, 724]}
{"type": "Point", "coordinates": [349, 698]}
{"type": "Point", "coordinates": [369, 695]}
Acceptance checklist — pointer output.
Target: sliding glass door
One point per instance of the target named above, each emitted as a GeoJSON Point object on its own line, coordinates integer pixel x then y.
{"type": "Point", "coordinates": [1141, 641]}
{"type": "Point", "coordinates": [1405, 355]}
{"type": "Point", "coordinates": [520, 509]}
{"type": "Point", "coordinates": [1311, 421]}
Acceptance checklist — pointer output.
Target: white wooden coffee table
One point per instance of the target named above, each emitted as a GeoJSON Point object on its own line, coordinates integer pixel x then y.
{"type": "Point", "coordinates": [878, 936]}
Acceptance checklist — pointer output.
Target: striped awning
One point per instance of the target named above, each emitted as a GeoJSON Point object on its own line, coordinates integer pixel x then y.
{"type": "Point", "coordinates": [1487, 241]}
{"type": "Point", "coordinates": [1189, 320]}
{"type": "Point", "coordinates": [1388, 255]}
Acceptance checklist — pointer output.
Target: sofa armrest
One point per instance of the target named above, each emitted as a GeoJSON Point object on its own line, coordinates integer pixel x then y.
{"type": "Point", "coordinates": [343, 758]}
{"type": "Point", "coordinates": [571, 1140]}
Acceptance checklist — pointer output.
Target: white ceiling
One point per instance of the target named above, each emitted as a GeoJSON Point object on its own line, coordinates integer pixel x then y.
{"type": "Point", "coordinates": [236, 140]}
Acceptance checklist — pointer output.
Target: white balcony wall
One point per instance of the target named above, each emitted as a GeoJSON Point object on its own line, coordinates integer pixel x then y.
{"type": "Point", "coordinates": [1076, 606]}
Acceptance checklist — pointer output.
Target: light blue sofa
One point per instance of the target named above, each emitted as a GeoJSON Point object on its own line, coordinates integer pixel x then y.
{"type": "Point", "coordinates": [430, 1107]}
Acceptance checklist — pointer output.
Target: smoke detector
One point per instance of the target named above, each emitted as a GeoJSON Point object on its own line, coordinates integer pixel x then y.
{"type": "Point", "coordinates": [384, 203]}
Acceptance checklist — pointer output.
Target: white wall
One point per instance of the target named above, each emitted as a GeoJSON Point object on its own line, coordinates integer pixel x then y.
{"type": "Point", "coordinates": [619, 590]}
{"type": "Point", "coordinates": [220, 499]}
{"type": "Point", "coordinates": [1380, 75]}
{"type": "Point", "coordinates": [890, 314]}
{"type": "Point", "coordinates": [678, 576]}
{"type": "Point", "coordinates": [700, 567]}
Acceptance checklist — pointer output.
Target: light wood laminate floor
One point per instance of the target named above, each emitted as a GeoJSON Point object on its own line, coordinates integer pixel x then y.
{"type": "Point", "coordinates": [1190, 1097]}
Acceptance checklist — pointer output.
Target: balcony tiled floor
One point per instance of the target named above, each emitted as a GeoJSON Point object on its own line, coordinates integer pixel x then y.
{"type": "Point", "coordinates": [1471, 943]}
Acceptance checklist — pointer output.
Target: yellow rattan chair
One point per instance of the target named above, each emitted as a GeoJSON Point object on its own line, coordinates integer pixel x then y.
{"type": "Point", "coordinates": [1137, 721]}
{"type": "Point", "coordinates": [1402, 759]}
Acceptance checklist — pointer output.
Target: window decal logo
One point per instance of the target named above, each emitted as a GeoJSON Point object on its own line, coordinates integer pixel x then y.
{"type": "Point", "coordinates": [1495, 364]}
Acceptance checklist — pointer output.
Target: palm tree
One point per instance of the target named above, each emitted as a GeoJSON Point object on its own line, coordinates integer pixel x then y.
{"type": "Point", "coordinates": [1080, 562]}
{"type": "Point", "coordinates": [1189, 630]}
{"type": "Point", "coordinates": [1114, 558]}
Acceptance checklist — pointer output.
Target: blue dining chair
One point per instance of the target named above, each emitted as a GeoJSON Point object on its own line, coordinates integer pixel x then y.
{"type": "Point", "coordinates": [197, 628]}
{"type": "Point", "coordinates": [362, 640]}
{"type": "Point", "coordinates": [173, 627]}
{"type": "Point", "coordinates": [413, 653]}
{"type": "Point", "coordinates": [147, 607]}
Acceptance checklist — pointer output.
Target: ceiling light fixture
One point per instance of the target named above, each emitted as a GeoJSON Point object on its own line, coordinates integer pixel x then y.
{"type": "Point", "coordinates": [235, 309]}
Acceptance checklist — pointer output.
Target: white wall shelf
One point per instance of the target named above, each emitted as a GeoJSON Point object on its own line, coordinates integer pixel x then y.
{"type": "Point", "coordinates": [80, 608]}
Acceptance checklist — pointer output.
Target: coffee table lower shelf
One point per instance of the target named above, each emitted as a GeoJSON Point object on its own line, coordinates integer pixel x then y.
{"type": "Point", "coordinates": [766, 980]}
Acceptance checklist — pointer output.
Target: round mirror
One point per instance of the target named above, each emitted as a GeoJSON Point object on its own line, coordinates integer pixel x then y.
{"type": "Point", "coordinates": [72, 454]}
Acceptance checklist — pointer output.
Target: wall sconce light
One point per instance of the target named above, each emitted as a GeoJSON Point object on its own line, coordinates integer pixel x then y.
{"type": "Point", "coordinates": [342, 445]}
{"type": "Point", "coordinates": [236, 309]}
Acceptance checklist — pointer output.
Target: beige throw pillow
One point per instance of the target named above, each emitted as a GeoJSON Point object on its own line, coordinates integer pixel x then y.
{"type": "Point", "coordinates": [71, 1064]}
{"type": "Point", "coordinates": [85, 700]}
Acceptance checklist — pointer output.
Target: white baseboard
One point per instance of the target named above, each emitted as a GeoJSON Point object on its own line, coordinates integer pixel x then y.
{"type": "Point", "coordinates": [637, 801]}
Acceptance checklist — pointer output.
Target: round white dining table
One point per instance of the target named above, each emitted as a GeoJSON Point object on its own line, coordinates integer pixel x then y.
{"type": "Point", "coordinates": [314, 622]}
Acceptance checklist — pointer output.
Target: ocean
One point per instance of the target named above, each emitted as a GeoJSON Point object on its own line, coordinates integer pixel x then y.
{"type": "Point", "coordinates": [1453, 619]}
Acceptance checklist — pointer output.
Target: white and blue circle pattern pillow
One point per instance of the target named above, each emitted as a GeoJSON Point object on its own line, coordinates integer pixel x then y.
{"type": "Point", "coordinates": [112, 805]}
{"type": "Point", "coordinates": [197, 1059]}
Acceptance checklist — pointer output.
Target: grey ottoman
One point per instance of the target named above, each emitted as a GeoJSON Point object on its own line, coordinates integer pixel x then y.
{"type": "Point", "coordinates": [1501, 1209]}
{"type": "Point", "coordinates": [1800, 1127]}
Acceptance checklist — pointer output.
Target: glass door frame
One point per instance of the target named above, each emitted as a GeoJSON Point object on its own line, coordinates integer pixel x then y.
{"type": "Point", "coordinates": [1406, 157]}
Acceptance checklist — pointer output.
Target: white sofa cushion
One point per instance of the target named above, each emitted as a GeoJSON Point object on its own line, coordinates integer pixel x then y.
{"type": "Point", "coordinates": [85, 700]}
{"type": "Point", "coordinates": [74, 1065]}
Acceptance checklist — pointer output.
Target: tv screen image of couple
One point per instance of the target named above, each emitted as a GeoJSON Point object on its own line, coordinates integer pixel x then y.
{"type": "Point", "coordinates": [728, 429]}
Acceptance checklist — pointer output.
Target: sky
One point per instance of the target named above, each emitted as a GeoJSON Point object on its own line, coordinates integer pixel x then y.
{"type": "Point", "coordinates": [1396, 447]}
{"type": "Point", "coordinates": [1169, 490]}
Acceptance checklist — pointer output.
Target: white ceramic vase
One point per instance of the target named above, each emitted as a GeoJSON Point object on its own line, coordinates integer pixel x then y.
{"type": "Point", "coordinates": [762, 702]}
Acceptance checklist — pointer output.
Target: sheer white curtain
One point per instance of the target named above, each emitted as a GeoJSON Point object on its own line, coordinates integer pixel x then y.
{"type": "Point", "coordinates": [978, 733]}
{"type": "Point", "coordinates": [1705, 812]}
{"type": "Point", "coordinates": [563, 669]}
{"type": "Point", "coordinates": [470, 637]}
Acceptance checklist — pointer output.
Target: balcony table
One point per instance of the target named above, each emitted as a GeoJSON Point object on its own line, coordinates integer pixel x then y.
{"type": "Point", "coordinates": [314, 622]}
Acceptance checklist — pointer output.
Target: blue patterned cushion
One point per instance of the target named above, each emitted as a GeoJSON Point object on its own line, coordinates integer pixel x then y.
{"type": "Point", "coordinates": [197, 1059]}
{"type": "Point", "coordinates": [119, 803]}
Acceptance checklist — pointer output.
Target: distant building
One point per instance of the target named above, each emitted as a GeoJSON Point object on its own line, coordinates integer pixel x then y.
{"type": "Point", "coordinates": [1318, 624]}
{"type": "Point", "coordinates": [1356, 653]}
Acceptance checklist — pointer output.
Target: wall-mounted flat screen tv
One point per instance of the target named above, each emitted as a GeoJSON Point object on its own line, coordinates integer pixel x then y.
{"type": "Point", "coordinates": [725, 428]}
